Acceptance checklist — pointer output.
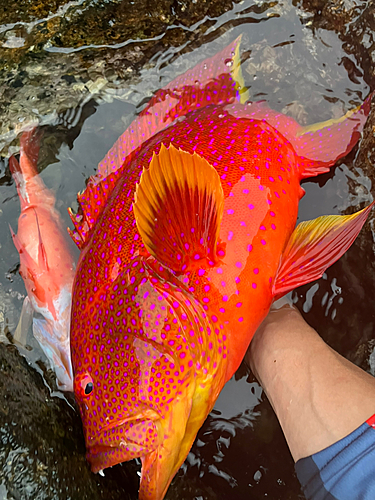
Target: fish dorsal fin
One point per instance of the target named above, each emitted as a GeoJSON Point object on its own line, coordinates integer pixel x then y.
{"type": "Point", "coordinates": [178, 208]}
{"type": "Point", "coordinates": [215, 80]}
{"type": "Point", "coordinates": [314, 246]}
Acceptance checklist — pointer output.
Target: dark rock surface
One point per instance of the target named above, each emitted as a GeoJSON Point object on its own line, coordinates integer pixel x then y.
{"type": "Point", "coordinates": [55, 54]}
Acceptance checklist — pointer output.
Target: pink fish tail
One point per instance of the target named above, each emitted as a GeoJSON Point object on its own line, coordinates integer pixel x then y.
{"type": "Point", "coordinates": [31, 189]}
{"type": "Point", "coordinates": [30, 145]}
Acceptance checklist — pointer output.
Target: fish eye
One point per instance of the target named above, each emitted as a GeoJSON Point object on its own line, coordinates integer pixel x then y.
{"type": "Point", "coordinates": [89, 388]}
{"type": "Point", "coordinates": [84, 385]}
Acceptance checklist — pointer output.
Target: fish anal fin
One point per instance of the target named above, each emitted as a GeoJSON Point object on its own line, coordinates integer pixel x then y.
{"type": "Point", "coordinates": [178, 208]}
{"type": "Point", "coordinates": [314, 246]}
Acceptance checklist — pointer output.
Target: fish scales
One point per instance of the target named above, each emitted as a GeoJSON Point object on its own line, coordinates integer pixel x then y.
{"type": "Point", "coordinates": [157, 329]}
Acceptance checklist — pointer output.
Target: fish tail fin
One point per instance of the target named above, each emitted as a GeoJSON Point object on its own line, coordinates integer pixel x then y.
{"type": "Point", "coordinates": [30, 145]}
{"type": "Point", "coordinates": [322, 144]}
{"type": "Point", "coordinates": [314, 246]}
{"type": "Point", "coordinates": [178, 208]}
{"type": "Point", "coordinates": [318, 146]}
{"type": "Point", "coordinates": [30, 187]}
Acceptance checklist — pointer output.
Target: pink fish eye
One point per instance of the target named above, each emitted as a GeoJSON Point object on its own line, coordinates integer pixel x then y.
{"type": "Point", "coordinates": [83, 385]}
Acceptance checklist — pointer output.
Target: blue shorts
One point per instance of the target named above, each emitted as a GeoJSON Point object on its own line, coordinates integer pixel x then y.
{"type": "Point", "coordinates": [343, 471]}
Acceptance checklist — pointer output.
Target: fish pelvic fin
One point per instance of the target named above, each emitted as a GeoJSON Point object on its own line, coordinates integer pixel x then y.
{"type": "Point", "coordinates": [314, 246]}
{"type": "Point", "coordinates": [178, 207]}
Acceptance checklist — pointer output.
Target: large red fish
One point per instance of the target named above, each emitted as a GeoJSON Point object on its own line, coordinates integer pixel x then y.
{"type": "Point", "coordinates": [187, 236]}
{"type": "Point", "coordinates": [47, 262]}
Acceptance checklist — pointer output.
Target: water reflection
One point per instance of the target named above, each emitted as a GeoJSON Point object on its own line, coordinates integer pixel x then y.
{"type": "Point", "coordinates": [291, 59]}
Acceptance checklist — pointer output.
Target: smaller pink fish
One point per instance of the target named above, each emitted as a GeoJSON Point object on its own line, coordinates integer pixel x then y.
{"type": "Point", "coordinates": [47, 262]}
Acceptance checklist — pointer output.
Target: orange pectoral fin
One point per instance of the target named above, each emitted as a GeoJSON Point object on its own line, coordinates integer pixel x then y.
{"type": "Point", "coordinates": [178, 208]}
{"type": "Point", "coordinates": [314, 246]}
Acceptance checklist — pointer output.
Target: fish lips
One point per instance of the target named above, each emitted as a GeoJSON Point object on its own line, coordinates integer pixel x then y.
{"type": "Point", "coordinates": [124, 440]}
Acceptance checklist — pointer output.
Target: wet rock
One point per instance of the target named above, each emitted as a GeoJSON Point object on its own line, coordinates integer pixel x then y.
{"type": "Point", "coordinates": [353, 22]}
{"type": "Point", "coordinates": [54, 54]}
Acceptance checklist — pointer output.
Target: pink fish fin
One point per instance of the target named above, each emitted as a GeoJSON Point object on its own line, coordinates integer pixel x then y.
{"type": "Point", "coordinates": [178, 208]}
{"type": "Point", "coordinates": [322, 144]}
{"type": "Point", "coordinates": [24, 323]}
{"type": "Point", "coordinates": [42, 255]}
{"type": "Point", "coordinates": [314, 246]}
{"type": "Point", "coordinates": [215, 80]}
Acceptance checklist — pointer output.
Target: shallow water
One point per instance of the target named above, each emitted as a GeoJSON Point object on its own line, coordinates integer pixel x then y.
{"type": "Point", "coordinates": [301, 69]}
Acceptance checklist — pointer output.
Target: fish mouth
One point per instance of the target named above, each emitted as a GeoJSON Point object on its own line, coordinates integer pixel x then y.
{"type": "Point", "coordinates": [124, 440]}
